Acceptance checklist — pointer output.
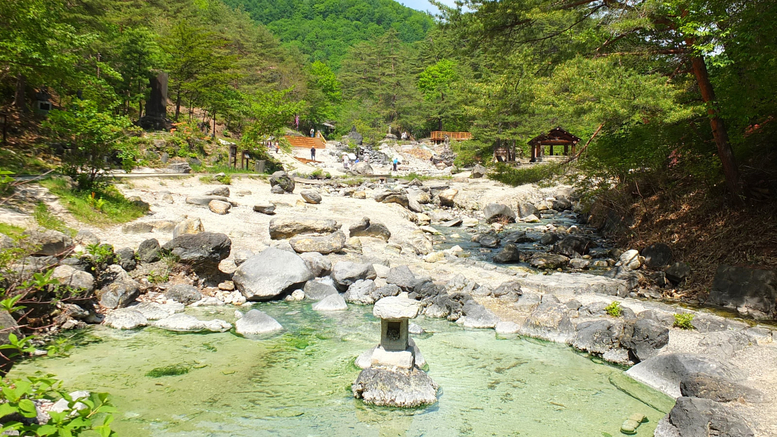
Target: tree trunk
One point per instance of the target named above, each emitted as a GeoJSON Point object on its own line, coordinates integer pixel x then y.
{"type": "Point", "coordinates": [177, 103]}
{"type": "Point", "coordinates": [719, 132]}
{"type": "Point", "coordinates": [19, 101]}
{"type": "Point", "coordinates": [213, 134]}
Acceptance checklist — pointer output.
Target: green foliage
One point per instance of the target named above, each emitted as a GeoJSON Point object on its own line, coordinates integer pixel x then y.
{"type": "Point", "coordinates": [529, 174]}
{"type": "Point", "coordinates": [614, 309]}
{"type": "Point", "coordinates": [101, 206]}
{"type": "Point", "coordinates": [17, 347]}
{"type": "Point", "coordinates": [18, 396]}
{"type": "Point", "coordinates": [171, 370]}
{"type": "Point", "coordinates": [158, 278]}
{"type": "Point", "coordinates": [6, 182]}
{"type": "Point", "coordinates": [91, 136]}
{"type": "Point", "coordinates": [46, 219]}
{"type": "Point", "coordinates": [224, 179]}
{"type": "Point", "coordinates": [9, 304]}
{"type": "Point", "coordinates": [100, 253]}
{"type": "Point", "coordinates": [683, 321]}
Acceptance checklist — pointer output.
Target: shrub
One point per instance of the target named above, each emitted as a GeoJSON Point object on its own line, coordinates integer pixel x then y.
{"type": "Point", "coordinates": [614, 309]}
{"type": "Point", "coordinates": [683, 321]}
{"type": "Point", "coordinates": [527, 174]}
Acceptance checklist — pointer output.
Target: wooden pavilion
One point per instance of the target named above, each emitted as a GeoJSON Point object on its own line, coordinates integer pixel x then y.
{"type": "Point", "coordinates": [556, 137]}
{"type": "Point", "coordinates": [438, 136]}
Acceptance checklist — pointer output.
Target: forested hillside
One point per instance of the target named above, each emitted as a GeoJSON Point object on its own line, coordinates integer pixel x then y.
{"type": "Point", "coordinates": [326, 29]}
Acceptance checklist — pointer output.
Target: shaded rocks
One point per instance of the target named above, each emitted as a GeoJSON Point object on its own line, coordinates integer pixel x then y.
{"type": "Point", "coordinates": [120, 290]}
{"type": "Point", "coordinates": [289, 227]}
{"type": "Point", "coordinates": [498, 212]}
{"type": "Point", "coordinates": [125, 257]}
{"type": "Point", "coordinates": [477, 316]}
{"type": "Point", "coordinates": [600, 337]}
{"type": "Point", "coordinates": [718, 390]}
{"type": "Point", "coordinates": [219, 207]}
{"type": "Point", "coordinates": [283, 180]}
{"type": "Point", "coordinates": [149, 251]}
{"type": "Point", "coordinates": [693, 417]}
{"type": "Point", "coordinates": [509, 254]}
{"type": "Point", "coordinates": [368, 228]}
{"type": "Point", "coordinates": [183, 293]}
{"type": "Point", "coordinates": [677, 272]}
{"type": "Point", "coordinates": [326, 244]}
{"type": "Point", "coordinates": [393, 197]}
{"type": "Point", "coordinates": [46, 242]}
{"type": "Point", "coordinates": [572, 245]}
{"type": "Point", "coordinates": [751, 292]}
{"type": "Point", "coordinates": [548, 261]}
{"type": "Point", "coordinates": [219, 191]}
{"type": "Point", "coordinates": [345, 273]}
{"type": "Point", "coordinates": [256, 322]}
{"type": "Point", "coordinates": [526, 209]}
{"type": "Point", "coordinates": [269, 273]}
{"type": "Point", "coordinates": [202, 251]}
{"type": "Point", "coordinates": [644, 338]}
{"type": "Point", "coordinates": [657, 255]}
{"type": "Point", "coordinates": [310, 196]}
{"type": "Point", "coordinates": [488, 239]}
{"type": "Point", "coordinates": [395, 388]}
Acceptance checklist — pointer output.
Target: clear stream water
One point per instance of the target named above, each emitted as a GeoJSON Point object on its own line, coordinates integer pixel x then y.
{"type": "Point", "coordinates": [297, 383]}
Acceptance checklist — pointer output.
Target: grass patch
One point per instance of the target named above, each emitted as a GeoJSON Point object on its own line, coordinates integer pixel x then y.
{"type": "Point", "coordinates": [12, 231]}
{"type": "Point", "coordinates": [527, 174]}
{"type": "Point", "coordinates": [413, 175]}
{"type": "Point", "coordinates": [46, 219]}
{"type": "Point", "coordinates": [105, 206]}
{"type": "Point", "coordinates": [171, 370]}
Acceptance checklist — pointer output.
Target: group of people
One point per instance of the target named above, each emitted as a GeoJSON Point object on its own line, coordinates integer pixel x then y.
{"type": "Point", "coordinates": [273, 145]}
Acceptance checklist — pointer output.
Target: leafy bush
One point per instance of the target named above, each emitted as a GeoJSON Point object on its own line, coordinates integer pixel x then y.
{"type": "Point", "coordinates": [683, 321]}
{"type": "Point", "coordinates": [18, 396]}
{"type": "Point", "coordinates": [91, 137]}
{"type": "Point", "coordinates": [614, 309]}
{"type": "Point", "coordinates": [526, 174]}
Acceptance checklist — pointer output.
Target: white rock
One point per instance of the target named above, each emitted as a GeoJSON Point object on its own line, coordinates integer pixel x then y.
{"type": "Point", "coordinates": [395, 307]}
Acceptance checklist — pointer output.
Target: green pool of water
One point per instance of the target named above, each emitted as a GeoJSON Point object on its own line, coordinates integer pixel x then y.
{"type": "Point", "coordinates": [298, 383]}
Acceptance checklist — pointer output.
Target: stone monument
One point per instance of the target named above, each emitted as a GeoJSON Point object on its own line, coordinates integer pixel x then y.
{"type": "Point", "coordinates": [156, 105]}
{"type": "Point", "coordinates": [393, 372]}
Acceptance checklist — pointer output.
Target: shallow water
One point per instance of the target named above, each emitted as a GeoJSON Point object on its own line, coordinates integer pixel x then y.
{"type": "Point", "coordinates": [298, 383]}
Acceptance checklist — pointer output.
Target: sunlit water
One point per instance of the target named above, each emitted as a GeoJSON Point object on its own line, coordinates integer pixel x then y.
{"type": "Point", "coordinates": [298, 383]}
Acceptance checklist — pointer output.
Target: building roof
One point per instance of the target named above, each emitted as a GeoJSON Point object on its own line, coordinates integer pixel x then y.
{"type": "Point", "coordinates": [554, 137]}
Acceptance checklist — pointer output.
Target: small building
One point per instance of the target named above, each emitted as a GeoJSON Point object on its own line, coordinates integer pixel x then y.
{"type": "Point", "coordinates": [439, 136]}
{"type": "Point", "coordinates": [556, 137]}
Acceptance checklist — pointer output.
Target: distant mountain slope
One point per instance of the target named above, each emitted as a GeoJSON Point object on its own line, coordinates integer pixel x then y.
{"type": "Point", "coordinates": [325, 29]}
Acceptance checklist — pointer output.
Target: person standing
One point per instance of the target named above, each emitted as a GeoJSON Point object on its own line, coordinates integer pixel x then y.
{"type": "Point", "coordinates": [395, 164]}
{"type": "Point", "coordinates": [313, 153]}
{"type": "Point", "coordinates": [312, 132]}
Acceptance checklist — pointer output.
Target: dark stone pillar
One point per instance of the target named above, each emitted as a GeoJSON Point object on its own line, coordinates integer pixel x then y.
{"type": "Point", "coordinates": [156, 105]}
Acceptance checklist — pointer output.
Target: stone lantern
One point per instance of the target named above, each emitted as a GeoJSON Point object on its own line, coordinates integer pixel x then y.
{"type": "Point", "coordinates": [395, 347]}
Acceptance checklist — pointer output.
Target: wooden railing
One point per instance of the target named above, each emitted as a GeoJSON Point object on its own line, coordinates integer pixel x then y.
{"type": "Point", "coordinates": [439, 136]}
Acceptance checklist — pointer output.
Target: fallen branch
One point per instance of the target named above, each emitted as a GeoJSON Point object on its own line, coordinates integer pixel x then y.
{"type": "Point", "coordinates": [587, 143]}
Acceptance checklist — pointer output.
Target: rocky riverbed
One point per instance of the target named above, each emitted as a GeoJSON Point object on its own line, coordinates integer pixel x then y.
{"type": "Point", "coordinates": [338, 244]}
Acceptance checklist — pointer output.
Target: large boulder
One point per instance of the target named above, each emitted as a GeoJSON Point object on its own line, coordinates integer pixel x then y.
{"type": "Point", "coordinates": [497, 211]}
{"type": "Point", "coordinates": [402, 277]}
{"type": "Point", "coordinates": [219, 207]}
{"type": "Point", "coordinates": [572, 245]}
{"type": "Point", "coordinates": [46, 242]}
{"type": "Point", "coordinates": [695, 417]}
{"type": "Point", "coordinates": [287, 227]}
{"type": "Point", "coordinates": [203, 251]}
{"type": "Point", "coordinates": [310, 196]}
{"type": "Point", "coordinates": [447, 197]}
{"type": "Point", "coordinates": [125, 257]}
{"type": "Point", "coordinates": [345, 273]}
{"type": "Point", "coordinates": [326, 244]}
{"type": "Point", "coordinates": [598, 336]}
{"type": "Point", "coordinates": [318, 289]}
{"type": "Point", "coordinates": [548, 261]}
{"type": "Point", "coordinates": [509, 254]}
{"type": "Point", "coordinates": [478, 171]}
{"type": "Point", "coordinates": [752, 292]}
{"type": "Point", "coordinates": [644, 338]}
{"type": "Point", "coordinates": [256, 322]}
{"type": "Point", "coordinates": [361, 292]}
{"type": "Point", "coordinates": [318, 264]}
{"type": "Point", "coordinates": [73, 278]}
{"type": "Point", "coordinates": [283, 180]}
{"type": "Point", "coordinates": [361, 169]}
{"type": "Point", "coordinates": [665, 372]}
{"type": "Point", "coordinates": [549, 320]}
{"type": "Point", "coordinates": [368, 228]}
{"type": "Point", "coordinates": [395, 388]}
{"type": "Point", "coordinates": [677, 272]}
{"type": "Point", "coordinates": [269, 273]}
{"type": "Point", "coordinates": [718, 390]}
{"type": "Point", "coordinates": [333, 302]}
{"type": "Point", "coordinates": [525, 209]}
{"type": "Point", "coordinates": [149, 251]}
{"type": "Point", "coordinates": [125, 318]}
{"type": "Point", "coordinates": [118, 294]}
{"type": "Point", "coordinates": [186, 323]}
{"type": "Point", "coordinates": [657, 255]}
{"type": "Point", "coordinates": [477, 316]}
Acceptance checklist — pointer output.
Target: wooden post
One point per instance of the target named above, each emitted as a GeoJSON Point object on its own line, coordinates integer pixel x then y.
{"type": "Point", "coordinates": [566, 149]}
{"type": "Point", "coordinates": [533, 148]}
{"type": "Point", "coordinates": [551, 150]}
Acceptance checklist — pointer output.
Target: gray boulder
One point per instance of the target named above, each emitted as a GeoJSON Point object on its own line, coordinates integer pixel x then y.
{"type": "Point", "coordinates": [526, 209]}
{"type": "Point", "coordinates": [186, 323]}
{"type": "Point", "coordinates": [548, 261]}
{"type": "Point", "coordinates": [657, 255]}
{"type": "Point", "coordinates": [561, 204]}
{"type": "Point", "coordinates": [156, 311]}
{"type": "Point", "coordinates": [183, 293]}
{"type": "Point", "coordinates": [550, 320]}
{"type": "Point", "coordinates": [718, 390]}
{"type": "Point", "coordinates": [509, 254]}
{"type": "Point", "coordinates": [677, 272]}
{"type": "Point", "coordinates": [496, 211]}
{"type": "Point", "coordinates": [488, 239]}
{"type": "Point", "coordinates": [46, 242]}
{"type": "Point", "coordinates": [149, 251]}
{"type": "Point", "coordinates": [318, 289]}
{"type": "Point", "coordinates": [664, 372]}
{"type": "Point", "coordinates": [750, 291]}
{"type": "Point", "coordinates": [395, 388]}
{"type": "Point", "coordinates": [345, 273]}
{"type": "Point", "coordinates": [277, 189]}
{"type": "Point", "coordinates": [695, 417]}
{"type": "Point", "coordinates": [479, 171]}
{"type": "Point", "coordinates": [188, 226]}
{"type": "Point", "coordinates": [268, 209]}
{"type": "Point", "coordinates": [333, 302]}
{"type": "Point", "coordinates": [361, 292]}
{"type": "Point", "coordinates": [75, 279]}
{"type": "Point", "coordinates": [361, 169]}
{"type": "Point", "coordinates": [509, 291]}
{"type": "Point", "coordinates": [310, 196]}
{"type": "Point", "coordinates": [598, 336]}
{"type": "Point", "coordinates": [318, 264]}
{"type": "Point", "coordinates": [288, 227]}
{"type": "Point", "coordinates": [477, 316]}
{"type": "Point", "coordinates": [644, 338]}
{"type": "Point", "coordinates": [203, 251]}
{"type": "Point", "coordinates": [393, 197]}
{"type": "Point", "coordinates": [385, 291]}
{"type": "Point", "coordinates": [118, 294]}
{"type": "Point", "coordinates": [269, 273]}
{"type": "Point", "coordinates": [572, 245]}
{"type": "Point", "coordinates": [402, 277]}
{"type": "Point", "coordinates": [205, 200]}
{"type": "Point", "coordinates": [368, 228]}
{"type": "Point", "coordinates": [283, 180]}
{"type": "Point", "coordinates": [126, 258]}
{"type": "Point", "coordinates": [256, 322]}
{"type": "Point", "coordinates": [125, 318]}
{"type": "Point", "coordinates": [220, 191]}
